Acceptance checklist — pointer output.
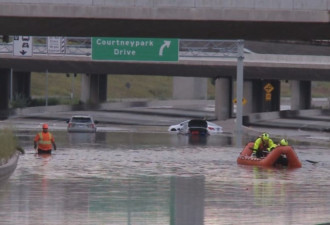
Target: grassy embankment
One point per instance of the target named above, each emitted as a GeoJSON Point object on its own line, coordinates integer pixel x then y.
{"type": "Point", "coordinates": [119, 87]}
{"type": "Point", "coordinates": [131, 87]}
{"type": "Point", "coordinates": [8, 144]}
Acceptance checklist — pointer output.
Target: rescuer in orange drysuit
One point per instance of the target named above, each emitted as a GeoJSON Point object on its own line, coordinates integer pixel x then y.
{"type": "Point", "coordinates": [44, 140]}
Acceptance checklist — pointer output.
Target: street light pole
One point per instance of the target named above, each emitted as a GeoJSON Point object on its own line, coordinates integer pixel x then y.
{"type": "Point", "coordinates": [46, 87]}
{"type": "Point", "coordinates": [72, 87]}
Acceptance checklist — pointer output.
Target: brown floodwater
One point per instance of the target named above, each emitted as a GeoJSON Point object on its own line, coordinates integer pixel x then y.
{"type": "Point", "coordinates": [157, 178]}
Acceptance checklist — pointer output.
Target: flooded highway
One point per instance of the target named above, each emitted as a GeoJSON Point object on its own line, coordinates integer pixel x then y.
{"type": "Point", "coordinates": [148, 176]}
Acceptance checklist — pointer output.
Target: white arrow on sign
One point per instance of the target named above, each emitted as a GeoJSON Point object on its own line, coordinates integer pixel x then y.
{"type": "Point", "coordinates": [166, 44]}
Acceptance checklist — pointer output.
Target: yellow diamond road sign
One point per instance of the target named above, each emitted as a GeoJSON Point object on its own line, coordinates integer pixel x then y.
{"type": "Point", "coordinates": [268, 87]}
{"type": "Point", "coordinates": [244, 101]}
{"type": "Point", "coordinates": [268, 97]}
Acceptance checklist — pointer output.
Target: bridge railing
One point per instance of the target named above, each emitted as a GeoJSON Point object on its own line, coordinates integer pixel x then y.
{"type": "Point", "coordinates": [208, 48]}
{"type": "Point", "coordinates": [81, 46]}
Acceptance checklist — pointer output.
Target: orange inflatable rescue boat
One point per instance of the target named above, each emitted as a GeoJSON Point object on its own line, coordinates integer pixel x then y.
{"type": "Point", "coordinates": [281, 155]}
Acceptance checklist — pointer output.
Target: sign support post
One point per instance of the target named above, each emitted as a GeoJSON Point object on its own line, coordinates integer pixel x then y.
{"type": "Point", "coordinates": [239, 89]}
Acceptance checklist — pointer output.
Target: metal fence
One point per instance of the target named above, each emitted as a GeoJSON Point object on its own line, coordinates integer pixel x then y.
{"type": "Point", "coordinates": [79, 46]}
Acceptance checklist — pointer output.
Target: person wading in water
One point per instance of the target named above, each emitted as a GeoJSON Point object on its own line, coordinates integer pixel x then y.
{"type": "Point", "coordinates": [44, 141]}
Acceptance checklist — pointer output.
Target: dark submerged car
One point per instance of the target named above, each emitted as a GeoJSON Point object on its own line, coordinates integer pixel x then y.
{"type": "Point", "coordinates": [195, 127]}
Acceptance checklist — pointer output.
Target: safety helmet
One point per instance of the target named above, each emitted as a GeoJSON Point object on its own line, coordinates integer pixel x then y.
{"type": "Point", "coordinates": [284, 142]}
{"type": "Point", "coordinates": [45, 126]}
{"type": "Point", "coordinates": [265, 136]}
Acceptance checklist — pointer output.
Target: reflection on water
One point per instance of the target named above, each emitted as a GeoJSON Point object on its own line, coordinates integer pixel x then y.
{"type": "Point", "coordinates": [81, 138]}
{"type": "Point", "coordinates": [160, 178]}
{"type": "Point", "coordinates": [197, 139]}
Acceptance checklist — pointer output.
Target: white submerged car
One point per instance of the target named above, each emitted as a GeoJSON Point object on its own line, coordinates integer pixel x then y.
{"type": "Point", "coordinates": [81, 124]}
{"type": "Point", "coordinates": [189, 127]}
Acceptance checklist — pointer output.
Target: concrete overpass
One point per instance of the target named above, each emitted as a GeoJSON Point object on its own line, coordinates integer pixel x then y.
{"type": "Point", "coordinates": [256, 66]}
{"type": "Point", "coordinates": [302, 20]}
{"type": "Point", "coordinates": [259, 69]}
{"type": "Point", "coordinates": [199, 19]}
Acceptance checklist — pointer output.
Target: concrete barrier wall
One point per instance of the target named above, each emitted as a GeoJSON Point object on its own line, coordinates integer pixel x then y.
{"type": "Point", "coordinates": [235, 4]}
{"type": "Point", "coordinates": [296, 113]}
{"type": "Point", "coordinates": [8, 168]}
{"type": "Point", "coordinates": [255, 117]}
{"type": "Point", "coordinates": [193, 104]}
{"type": "Point", "coordinates": [39, 109]}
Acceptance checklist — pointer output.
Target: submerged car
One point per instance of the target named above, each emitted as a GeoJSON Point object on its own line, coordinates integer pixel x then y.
{"type": "Point", "coordinates": [196, 127]}
{"type": "Point", "coordinates": [81, 124]}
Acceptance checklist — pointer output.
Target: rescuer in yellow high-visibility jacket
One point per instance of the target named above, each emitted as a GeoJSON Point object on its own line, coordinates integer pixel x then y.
{"type": "Point", "coordinates": [44, 141]}
{"type": "Point", "coordinates": [263, 144]}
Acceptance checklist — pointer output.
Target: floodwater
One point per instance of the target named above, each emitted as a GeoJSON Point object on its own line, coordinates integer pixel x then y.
{"type": "Point", "coordinates": [157, 178]}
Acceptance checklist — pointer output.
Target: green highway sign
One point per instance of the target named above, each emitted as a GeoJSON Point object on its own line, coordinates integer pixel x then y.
{"type": "Point", "coordinates": [135, 49]}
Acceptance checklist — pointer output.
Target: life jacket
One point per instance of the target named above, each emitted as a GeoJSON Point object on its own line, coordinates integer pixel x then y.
{"type": "Point", "coordinates": [262, 145]}
{"type": "Point", "coordinates": [45, 141]}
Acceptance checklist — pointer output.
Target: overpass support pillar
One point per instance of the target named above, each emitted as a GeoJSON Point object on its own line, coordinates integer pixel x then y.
{"type": "Point", "coordinates": [94, 88]}
{"type": "Point", "coordinates": [189, 88]}
{"type": "Point", "coordinates": [301, 95]}
{"type": "Point", "coordinates": [266, 95]}
{"type": "Point", "coordinates": [22, 85]}
{"type": "Point", "coordinates": [223, 98]}
{"type": "Point", "coordinates": [4, 91]}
